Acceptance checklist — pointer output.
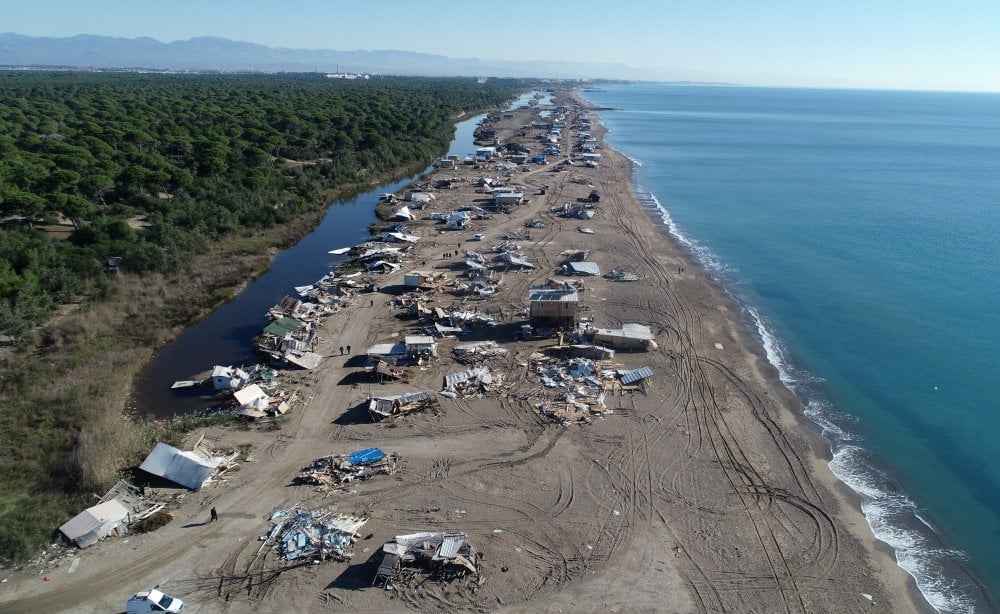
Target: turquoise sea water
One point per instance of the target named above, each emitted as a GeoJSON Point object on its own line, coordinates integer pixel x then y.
{"type": "Point", "coordinates": [860, 230]}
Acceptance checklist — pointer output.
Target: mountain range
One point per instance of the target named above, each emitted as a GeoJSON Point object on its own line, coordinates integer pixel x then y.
{"type": "Point", "coordinates": [220, 54]}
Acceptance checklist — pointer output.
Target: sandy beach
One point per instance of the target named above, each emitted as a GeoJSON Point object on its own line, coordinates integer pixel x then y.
{"type": "Point", "coordinates": [705, 490]}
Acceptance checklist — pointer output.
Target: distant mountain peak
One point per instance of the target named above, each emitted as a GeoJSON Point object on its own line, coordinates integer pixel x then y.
{"type": "Point", "coordinates": [212, 53]}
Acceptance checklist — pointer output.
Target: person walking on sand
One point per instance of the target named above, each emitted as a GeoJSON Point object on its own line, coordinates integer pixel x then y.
{"type": "Point", "coordinates": [341, 350]}
{"type": "Point", "coordinates": [215, 515]}
{"type": "Point", "coordinates": [348, 349]}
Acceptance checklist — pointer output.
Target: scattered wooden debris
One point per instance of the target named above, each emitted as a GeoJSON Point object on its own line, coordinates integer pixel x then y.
{"type": "Point", "coordinates": [336, 471]}
{"type": "Point", "coordinates": [322, 533]}
{"type": "Point", "coordinates": [391, 407]}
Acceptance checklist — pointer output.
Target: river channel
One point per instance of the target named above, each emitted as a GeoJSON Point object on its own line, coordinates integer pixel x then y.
{"type": "Point", "coordinates": [225, 336]}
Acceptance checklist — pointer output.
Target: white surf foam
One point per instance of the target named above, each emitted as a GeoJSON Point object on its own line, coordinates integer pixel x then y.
{"type": "Point", "coordinates": [886, 512]}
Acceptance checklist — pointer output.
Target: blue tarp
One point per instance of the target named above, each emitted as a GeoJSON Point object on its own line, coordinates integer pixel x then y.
{"type": "Point", "coordinates": [368, 455]}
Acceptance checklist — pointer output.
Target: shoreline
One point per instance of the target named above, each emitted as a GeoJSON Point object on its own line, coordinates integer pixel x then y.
{"type": "Point", "coordinates": [704, 491]}
{"type": "Point", "coordinates": [819, 445]}
{"type": "Point", "coordinates": [905, 535]}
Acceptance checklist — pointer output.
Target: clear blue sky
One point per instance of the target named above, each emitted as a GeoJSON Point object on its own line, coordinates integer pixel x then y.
{"type": "Point", "coordinates": [910, 44]}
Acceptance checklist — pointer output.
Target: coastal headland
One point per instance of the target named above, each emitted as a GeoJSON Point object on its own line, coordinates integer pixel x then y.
{"type": "Point", "coordinates": [704, 489]}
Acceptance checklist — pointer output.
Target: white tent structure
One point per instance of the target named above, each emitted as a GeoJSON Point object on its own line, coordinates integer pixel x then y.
{"type": "Point", "coordinates": [96, 523]}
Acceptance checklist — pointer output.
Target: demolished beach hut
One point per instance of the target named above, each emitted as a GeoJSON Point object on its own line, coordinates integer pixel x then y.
{"type": "Point", "coordinates": [96, 523]}
{"type": "Point", "coordinates": [321, 533]}
{"type": "Point", "coordinates": [629, 337]}
{"type": "Point", "coordinates": [336, 471]}
{"type": "Point", "coordinates": [620, 275]}
{"type": "Point", "coordinates": [472, 381]}
{"type": "Point", "coordinates": [228, 378]}
{"type": "Point", "coordinates": [481, 350]}
{"type": "Point", "coordinates": [581, 268]}
{"type": "Point", "coordinates": [516, 260]}
{"type": "Point", "coordinates": [578, 406]}
{"type": "Point", "coordinates": [393, 406]}
{"type": "Point", "coordinates": [412, 558]}
{"type": "Point", "coordinates": [420, 346]}
{"type": "Point", "coordinates": [190, 468]}
{"type": "Point", "coordinates": [424, 279]}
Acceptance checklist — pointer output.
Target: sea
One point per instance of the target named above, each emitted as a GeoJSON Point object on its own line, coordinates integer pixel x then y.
{"type": "Point", "coordinates": [860, 233]}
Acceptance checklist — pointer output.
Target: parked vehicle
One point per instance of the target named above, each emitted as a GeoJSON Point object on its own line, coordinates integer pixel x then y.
{"type": "Point", "coordinates": [153, 600]}
{"type": "Point", "coordinates": [527, 332]}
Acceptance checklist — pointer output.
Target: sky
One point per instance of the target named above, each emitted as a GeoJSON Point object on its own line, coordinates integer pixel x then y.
{"type": "Point", "coordinates": [892, 44]}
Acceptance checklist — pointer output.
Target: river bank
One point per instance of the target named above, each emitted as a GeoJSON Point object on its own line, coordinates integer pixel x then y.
{"type": "Point", "coordinates": [704, 490]}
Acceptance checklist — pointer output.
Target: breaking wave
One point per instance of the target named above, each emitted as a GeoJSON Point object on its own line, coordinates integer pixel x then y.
{"type": "Point", "coordinates": [891, 515]}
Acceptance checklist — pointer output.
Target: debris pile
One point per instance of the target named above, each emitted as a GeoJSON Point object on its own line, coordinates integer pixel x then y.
{"type": "Point", "coordinates": [254, 402]}
{"type": "Point", "coordinates": [390, 407]}
{"type": "Point", "coordinates": [482, 350]}
{"type": "Point", "coordinates": [336, 471]}
{"type": "Point", "coordinates": [322, 533]}
{"type": "Point", "coordinates": [408, 560]}
{"type": "Point", "coordinates": [559, 373]}
{"type": "Point", "coordinates": [583, 381]}
{"type": "Point", "coordinates": [471, 382]}
{"type": "Point", "coordinates": [579, 406]}
{"type": "Point", "coordinates": [620, 275]}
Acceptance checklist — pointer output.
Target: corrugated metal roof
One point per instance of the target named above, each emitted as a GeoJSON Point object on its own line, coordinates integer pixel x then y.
{"type": "Point", "coordinates": [450, 545]}
{"type": "Point", "coordinates": [585, 268]}
{"type": "Point", "coordinates": [634, 375]}
{"type": "Point", "coordinates": [552, 294]}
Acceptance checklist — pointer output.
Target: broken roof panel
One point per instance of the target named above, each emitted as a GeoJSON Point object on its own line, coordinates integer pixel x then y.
{"type": "Point", "coordinates": [419, 340]}
{"type": "Point", "coordinates": [305, 360]}
{"type": "Point", "coordinates": [450, 545]}
{"type": "Point", "coordinates": [516, 260]}
{"type": "Point", "coordinates": [387, 349]}
{"type": "Point", "coordinates": [634, 375]}
{"type": "Point", "coordinates": [248, 395]}
{"type": "Point", "coordinates": [630, 331]}
{"type": "Point", "coordinates": [584, 268]}
{"type": "Point", "coordinates": [553, 294]}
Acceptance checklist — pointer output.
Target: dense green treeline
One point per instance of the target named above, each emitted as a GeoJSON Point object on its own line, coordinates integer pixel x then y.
{"type": "Point", "coordinates": [190, 174]}
{"type": "Point", "coordinates": [151, 167]}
